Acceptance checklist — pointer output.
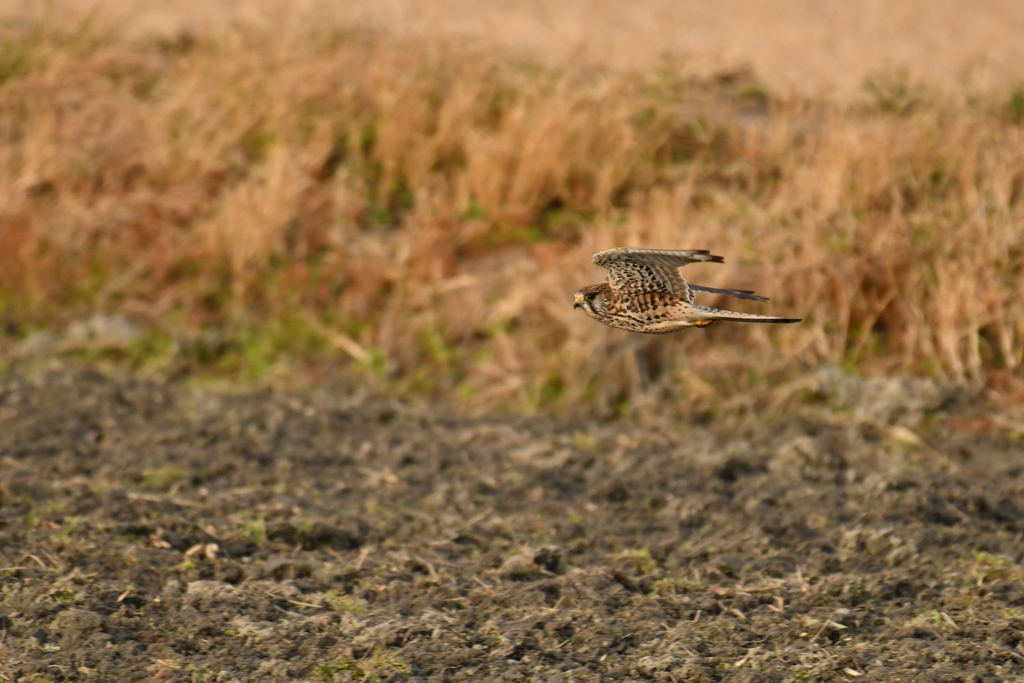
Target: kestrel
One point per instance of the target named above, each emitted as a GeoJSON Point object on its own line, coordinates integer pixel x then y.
{"type": "Point", "coordinates": [646, 293]}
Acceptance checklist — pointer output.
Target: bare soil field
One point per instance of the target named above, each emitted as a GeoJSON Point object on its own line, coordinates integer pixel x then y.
{"type": "Point", "coordinates": [152, 531]}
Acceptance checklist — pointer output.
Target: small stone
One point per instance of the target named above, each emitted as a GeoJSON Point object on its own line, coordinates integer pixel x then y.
{"type": "Point", "coordinates": [103, 330]}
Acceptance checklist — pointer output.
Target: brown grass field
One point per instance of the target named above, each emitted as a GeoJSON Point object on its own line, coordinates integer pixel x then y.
{"type": "Point", "coordinates": [266, 191]}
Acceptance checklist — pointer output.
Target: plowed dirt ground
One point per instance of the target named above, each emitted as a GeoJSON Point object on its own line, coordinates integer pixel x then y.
{"type": "Point", "coordinates": [161, 532]}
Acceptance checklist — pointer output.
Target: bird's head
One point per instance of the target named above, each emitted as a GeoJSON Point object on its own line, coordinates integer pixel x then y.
{"type": "Point", "coordinates": [592, 299]}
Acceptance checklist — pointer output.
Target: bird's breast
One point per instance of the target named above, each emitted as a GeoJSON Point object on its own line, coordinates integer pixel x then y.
{"type": "Point", "coordinates": [651, 316]}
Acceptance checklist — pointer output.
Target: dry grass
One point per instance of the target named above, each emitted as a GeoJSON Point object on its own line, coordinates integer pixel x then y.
{"type": "Point", "coordinates": [428, 208]}
{"type": "Point", "coordinates": [793, 45]}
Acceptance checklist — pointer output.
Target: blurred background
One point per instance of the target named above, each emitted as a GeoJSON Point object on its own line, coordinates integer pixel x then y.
{"type": "Point", "coordinates": [406, 194]}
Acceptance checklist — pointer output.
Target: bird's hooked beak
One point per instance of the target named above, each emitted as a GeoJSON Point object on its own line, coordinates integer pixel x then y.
{"type": "Point", "coordinates": [578, 301]}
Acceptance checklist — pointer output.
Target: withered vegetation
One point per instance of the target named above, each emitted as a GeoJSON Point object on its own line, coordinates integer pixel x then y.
{"type": "Point", "coordinates": [426, 208]}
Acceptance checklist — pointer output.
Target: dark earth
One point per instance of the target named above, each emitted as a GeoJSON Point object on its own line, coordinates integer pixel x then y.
{"type": "Point", "coordinates": [871, 530]}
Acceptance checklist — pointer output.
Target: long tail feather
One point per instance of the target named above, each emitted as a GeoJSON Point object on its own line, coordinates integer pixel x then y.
{"type": "Point", "coordinates": [737, 317]}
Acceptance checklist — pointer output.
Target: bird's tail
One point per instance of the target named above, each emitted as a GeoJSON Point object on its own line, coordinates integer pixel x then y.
{"type": "Point", "coordinates": [711, 315]}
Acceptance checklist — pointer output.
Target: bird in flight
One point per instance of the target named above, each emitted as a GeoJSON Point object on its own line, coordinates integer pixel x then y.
{"type": "Point", "coordinates": [646, 293]}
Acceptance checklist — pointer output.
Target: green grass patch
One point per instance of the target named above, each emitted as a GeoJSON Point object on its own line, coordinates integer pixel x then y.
{"type": "Point", "coordinates": [376, 667]}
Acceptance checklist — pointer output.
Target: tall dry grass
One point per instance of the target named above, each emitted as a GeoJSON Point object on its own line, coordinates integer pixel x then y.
{"type": "Point", "coordinates": [427, 208]}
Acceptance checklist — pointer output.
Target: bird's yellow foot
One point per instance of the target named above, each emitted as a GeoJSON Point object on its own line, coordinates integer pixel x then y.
{"type": "Point", "coordinates": [703, 323]}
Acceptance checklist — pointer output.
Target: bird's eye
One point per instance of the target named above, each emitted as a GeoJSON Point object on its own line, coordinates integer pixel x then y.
{"type": "Point", "coordinates": [591, 296]}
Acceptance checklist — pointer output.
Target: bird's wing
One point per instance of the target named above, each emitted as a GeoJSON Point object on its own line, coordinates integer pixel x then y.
{"type": "Point", "coordinates": [647, 271]}
{"type": "Point", "coordinates": [738, 293]}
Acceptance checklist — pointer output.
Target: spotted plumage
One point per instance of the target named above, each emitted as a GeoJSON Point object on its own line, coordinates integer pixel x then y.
{"type": "Point", "coordinates": [645, 292]}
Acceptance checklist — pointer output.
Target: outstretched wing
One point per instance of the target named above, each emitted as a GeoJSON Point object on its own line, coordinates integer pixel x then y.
{"type": "Point", "coordinates": [738, 293]}
{"type": "Point", "coordinates": [632, 272]}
